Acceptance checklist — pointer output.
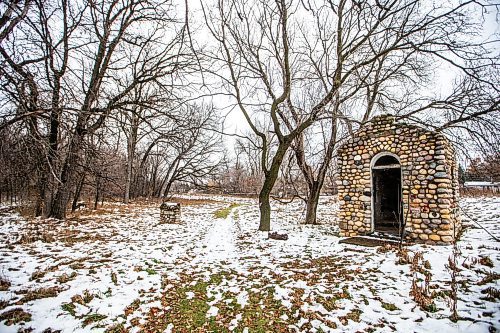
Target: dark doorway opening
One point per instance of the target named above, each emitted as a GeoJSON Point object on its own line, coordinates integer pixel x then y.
{"type": "Point", "coordinates": [387, 210]}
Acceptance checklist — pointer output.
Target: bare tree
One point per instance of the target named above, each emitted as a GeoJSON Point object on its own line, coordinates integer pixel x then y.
{"type": "Point", "coordinates": [264, 70]}
{"type": "Point", "coordinates": [84, 62]}
{"type": "Point", "coordinates": [196, 155]}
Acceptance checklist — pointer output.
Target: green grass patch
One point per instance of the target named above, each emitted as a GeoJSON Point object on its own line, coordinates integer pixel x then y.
{"type": "Point", "coordinates": [116, 328]}
{"type": "Point", "coordinates": [389, 306]}
{"type": "Point", "coordinates": [351, 315]}
{"type": "Point", "coordinates": [69, 308]}
{"type": "Point", "coordinates": [224, 212]}
{"type": "Point", "coordinates": [431, 307]}
{"type": "Point", "coordinates": [92, 318]}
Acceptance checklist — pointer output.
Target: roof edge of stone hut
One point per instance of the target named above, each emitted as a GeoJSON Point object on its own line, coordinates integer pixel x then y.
{"type": "Point", "coordinates": [388, 119]}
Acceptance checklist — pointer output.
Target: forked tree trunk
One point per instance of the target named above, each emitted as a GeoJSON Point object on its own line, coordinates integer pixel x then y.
{"type": "Point", "coordinates": [68, 175]}
{"type": "Point", "coordinates": [314, 184]}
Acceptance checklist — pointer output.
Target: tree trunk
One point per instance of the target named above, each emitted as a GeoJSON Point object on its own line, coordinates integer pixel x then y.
{"type": "Point", "coordinates": [131, 144]}
{"type": "Point", "coordinates": [97, 190]}
{"type": "Point", "coordinates": [270, 177]}
{"type": "Point", "coordinates": [63, 191]}
{"type": "Point", "coordinates": [59, 203]}
{"type": "Point", "coordinates": [44, 179]}
{"type": "Point", "coordinates": [130, 161]}
{"type": "Point", "coordinates": [312, 203]}
{"type": "Point", "coordinates": [265, 206]}
{"type": "Point", "coordinates": [167, 189]}
{"type": "Point", "coordinates": [78, 191]}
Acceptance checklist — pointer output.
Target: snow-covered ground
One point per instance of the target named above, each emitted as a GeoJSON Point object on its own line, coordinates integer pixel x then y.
{"type": "Point", "coordinates": [118, 270]}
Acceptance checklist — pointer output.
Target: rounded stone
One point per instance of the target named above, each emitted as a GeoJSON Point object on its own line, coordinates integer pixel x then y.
{"type": "Point", "coordinates": [365, 198]}
{"type": "Point", "coordinates": [435, 238]}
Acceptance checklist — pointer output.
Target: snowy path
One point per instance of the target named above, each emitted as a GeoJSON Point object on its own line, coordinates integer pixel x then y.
{"type": "Point", "coordinates": [219, 243]}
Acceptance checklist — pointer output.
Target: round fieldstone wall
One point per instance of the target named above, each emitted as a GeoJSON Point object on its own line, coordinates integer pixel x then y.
{"type": "Point", "coordinates": [429, 180]}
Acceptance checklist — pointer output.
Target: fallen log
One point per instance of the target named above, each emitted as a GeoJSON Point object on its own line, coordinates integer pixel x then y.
{"type": "Point", "coordinates": [276, 235]}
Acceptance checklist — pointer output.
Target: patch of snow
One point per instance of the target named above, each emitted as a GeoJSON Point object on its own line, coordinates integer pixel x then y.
{"type": "Point", "coordinates": [212, 311]}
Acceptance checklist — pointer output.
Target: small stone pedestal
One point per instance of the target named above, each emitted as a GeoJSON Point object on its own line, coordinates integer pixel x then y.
{"type": "Point", "coordinates": [170, 212]}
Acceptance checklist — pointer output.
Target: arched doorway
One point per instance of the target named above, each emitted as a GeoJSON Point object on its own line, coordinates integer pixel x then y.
{"type": "Point", "coordinates": [387, 212]}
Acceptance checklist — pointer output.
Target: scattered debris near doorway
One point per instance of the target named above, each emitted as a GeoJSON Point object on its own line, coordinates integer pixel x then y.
{"type": "Point", "coordinates": [398, 179]}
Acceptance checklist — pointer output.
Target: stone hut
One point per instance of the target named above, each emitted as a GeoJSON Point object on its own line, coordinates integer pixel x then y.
{"type": "Point", "coordinates": [394, 174]}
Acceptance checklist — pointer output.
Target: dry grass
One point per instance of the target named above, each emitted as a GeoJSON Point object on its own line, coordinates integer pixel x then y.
{"type": "Point", "coordinates": [4, 284]}
{"type": "Point", "coordinates": [50, 230]}
{"type": "Point", "coordinates": [486, 261]}
{"type": "Point", "coordinates": [117, 328]}
{"type": "Point", "coordinates": [66, 277]}
{"type": "Point", "coordinates": [492, 294]}
{"type": "Point", "coordinates": [3, 304]}
{"type": "Point", "coordinates": [490, 277]}
{"type": "Point", "coordinates": [421, 291]}
{"type": "Point", "coordinates": [32, 295]}
{"type": "Point", "coordinates": [31, 237]}
{"type": "Point", "coordinates": [84, 298]}
{"type": "Point", "coordinates": [93, 318]}
{"type": "Point", "coordinates": [26, 210]}
{"type": "Point", "coordinates": [15, 316]}
{"type": "Point", "coordinates": [38, 275]}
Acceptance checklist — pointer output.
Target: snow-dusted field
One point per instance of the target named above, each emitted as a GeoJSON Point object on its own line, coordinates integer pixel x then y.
{"type": "Point", "coordinates": [117, 270]}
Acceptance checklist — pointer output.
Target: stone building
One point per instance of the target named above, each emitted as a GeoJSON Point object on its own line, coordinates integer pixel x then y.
{"type": "Point", "coordinates": [390, 173]}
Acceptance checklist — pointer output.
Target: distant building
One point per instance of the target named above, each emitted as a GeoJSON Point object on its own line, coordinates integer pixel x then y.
{"type": "Point", "coordinates": [483, 186]}
{"type": "Point", "coordinates": [393, 174]}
